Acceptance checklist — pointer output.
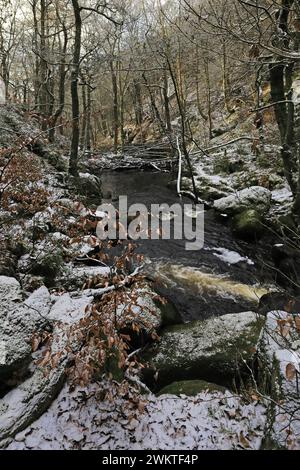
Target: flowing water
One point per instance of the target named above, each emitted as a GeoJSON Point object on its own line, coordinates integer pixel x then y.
{"type": "Point", "coordinates": [200, 283]}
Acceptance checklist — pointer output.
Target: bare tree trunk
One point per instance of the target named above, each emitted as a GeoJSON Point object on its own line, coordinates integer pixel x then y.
{"type": "Point", "coordinates": [166, 103]}
{"type": "Point", "coordinates": [88, 118]}
{"type": "Point", "coordinates": [62, 81]}
{"type": "Point", "coordinates": [84, 114]}
{"type": "Point", "coordinates": [115, 106]}
{"type": "Point", "coordinates": [182, 113]}
{"type": "Point", "coordinates": [138, 106]}
{"type": "Point", "coordinates": [200, 110]}
{"type": "Point", "coordinates": [284, 116]}
{"type": "Point", "coordinates": [73, 165]}
{"type": "Point", "coordinates": [209, 108]}
{"type": "Point", "coordinates": [154, 107]}
{"type": "Point", "coordinates": [43, 94]}
{"type": "Point", "coordinates": [225, 77]}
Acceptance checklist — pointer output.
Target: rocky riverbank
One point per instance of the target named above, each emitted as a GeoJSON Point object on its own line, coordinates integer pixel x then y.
{"type": "Point", "coordinates": [224, 383]}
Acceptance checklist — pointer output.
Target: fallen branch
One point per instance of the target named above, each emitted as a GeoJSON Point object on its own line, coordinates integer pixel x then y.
{"type": "Point", "coordinates": [210, 149]}
{"type": "Point", "coordinates": [137, 381]}
{"type": "Point", "coordinates": [106, 290]}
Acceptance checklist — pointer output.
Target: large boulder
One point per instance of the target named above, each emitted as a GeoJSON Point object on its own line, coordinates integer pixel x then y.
{"type": "Point", "coordinates": [87, 185]}
{"type": "Point", "coordinates": [25, 403]}
{"type": "Point", "coordinates": [255, 197]}
{"type": "Point", "coordinates": [18, 322]}
{"type": "Point", "coordinates": [215, 350]}
{"type": "Point", "coordinates": [76, 277]}
{"type": "Point", "coordinates": [10, 292]}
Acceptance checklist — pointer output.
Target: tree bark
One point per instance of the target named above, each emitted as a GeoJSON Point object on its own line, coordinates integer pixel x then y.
{"type": "Point", "coordinates": [73, 165]}
{"type": "Point", "coordinates": [115, 106]}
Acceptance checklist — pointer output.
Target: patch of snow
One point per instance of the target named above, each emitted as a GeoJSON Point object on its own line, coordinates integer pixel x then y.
{"type": "Point", "coordinates": [69, 310]}
{"type": "Point", "coordinates": [282, 195]}
{"type": "Point", "coordinates": [208, 421]}
{"type": "Point", "coordinates": [230, 257]}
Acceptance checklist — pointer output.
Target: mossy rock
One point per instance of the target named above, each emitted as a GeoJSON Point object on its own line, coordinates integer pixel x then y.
{"type": "Point", "coordinates": [190, 388]}
{"type": "Point", "coordinates": [87, 185]}
{"type": "Point", "coordinates": [169, 313]}
{"type": "Point", "coordinates": [248, 225]}
{"type": "Point", "coordinates": [48, 266]}
{"type": "Point", "coordinates": [215, 350]}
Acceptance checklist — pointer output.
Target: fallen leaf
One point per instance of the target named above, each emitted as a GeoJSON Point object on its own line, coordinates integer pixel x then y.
{"type": "Point", "coordinates": [290, 372]}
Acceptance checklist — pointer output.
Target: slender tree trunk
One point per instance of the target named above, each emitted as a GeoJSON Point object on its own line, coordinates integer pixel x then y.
{"type": "Point", "coordinates": [209, 107]}
{"type": "Point", "coordinates": [73, 166]}
{"type": "Point", "coordinates": [43, 94]}
{"type": "Point", "coordinates": [88, 118]}
{"type": "Point", "coordinates": [181, 108]}
{"type": "Point", "coordinates": [84, 114]}
{"type": "Point", "coordinates": [115, 106]}
{"type": "Point", "coordinates": [284, 116]}
{"type": "Point", "coordinates": [37, 60]}
{"type": "Point", "coordinates": [225, 78]}
{"type": "Point", "coordinates": [200, 110]}
{"type": "Point", "coordinates": [166, 103]}
{"type": "Point", "coordinates": [154, 107]}
{"type": "Point", "coordinates": [62, 83]}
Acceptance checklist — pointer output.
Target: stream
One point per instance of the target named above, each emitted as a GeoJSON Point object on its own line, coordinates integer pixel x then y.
{"type": "Point", "coordinates": [200, 283]}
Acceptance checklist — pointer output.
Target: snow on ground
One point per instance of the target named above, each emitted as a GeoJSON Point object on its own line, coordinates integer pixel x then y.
{"type": "Point", "coordinates": [214, 179]}
{"type": "Point", "coordinates": [282, 195]}
{"type": "Point", "coordinates": [209, 421]}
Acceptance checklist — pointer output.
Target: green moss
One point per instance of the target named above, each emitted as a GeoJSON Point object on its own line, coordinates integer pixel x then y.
{"type": "Point", "coordinates": [48, 266]}
{"type": "Point", "coordinates": [190, 388]}
{"type": "Point", "coordinates": [213, 350]}
{"type": "Point", "coordinates": [169, 313]}
{"type": "Point", "coordinates": [248, 225]}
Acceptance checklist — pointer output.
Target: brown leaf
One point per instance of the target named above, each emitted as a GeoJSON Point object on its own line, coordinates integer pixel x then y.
{"type": "Point", "coordinates": [297, 322]}
{"type": "Point", "coordinates": [290, 372]}
{"type": "Point", "coordinates": [284, 327]}
{"type": "Point", "coordinates": [35, 343]}
{"type": "Point", "coordinates": [244, 441]}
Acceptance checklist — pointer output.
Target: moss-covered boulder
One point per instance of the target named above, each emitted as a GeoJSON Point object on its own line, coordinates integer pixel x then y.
{"type": "Point", "coordinates": [215, 350]}
{"type": "Point", "coordinates": [190, 388]}
{"type": "Point", "coordinates": [250, 198]}
{"type": "Point", "coordinates": [169, 313]}
{"type": "Point", "coordinates": [248, 225]}
{"type": "Point", "coordinates": [48, 265]}
{"type": "Point", "coordinates": [88, 185]}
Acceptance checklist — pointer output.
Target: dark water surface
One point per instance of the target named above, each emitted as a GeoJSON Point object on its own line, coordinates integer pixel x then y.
{"type": "Point", "coordinates": [198, 282]}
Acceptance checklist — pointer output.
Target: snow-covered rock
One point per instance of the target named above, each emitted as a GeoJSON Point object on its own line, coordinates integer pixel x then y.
{"type": "Point", "coordinates": [18, 322]}
{"type": "Point", "coordinates": [25, 403]}
{"type": "Point", "coordinates": [279, 353]}
{"type": "Point", "coordinates": [88, 184]}
{"type": "Point", "coordinates": [142, 308]}
{"type": "Point", "coordinates": [77, 276]}
{"type": "Point", "coordinates": [210, 421]}
{"type": "Point", "coordinates": [10, 292]}
{"type": "Point", "coordinates": [211, 350]}
{"type": "Point", "coordinates": [69, 310]}
{"type": "Point", "coordinates": [256, 197]}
